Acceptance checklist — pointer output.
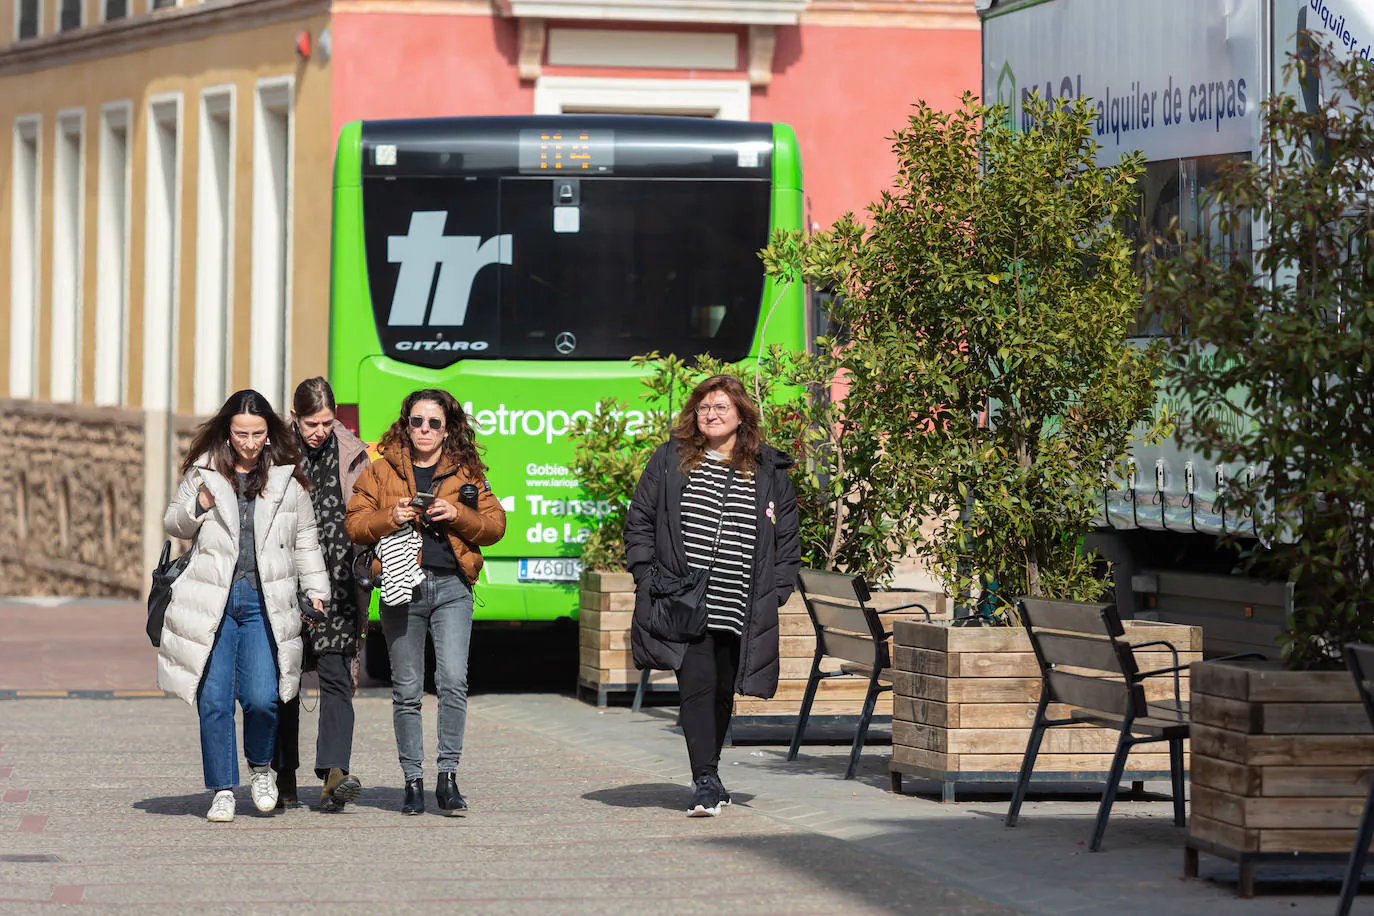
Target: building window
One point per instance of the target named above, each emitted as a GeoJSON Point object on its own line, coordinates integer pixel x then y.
{"type": "Point", "coordinates": [269, 371]}
{"type": "Point", "coordinates": [161, 4]}
{"type": "Point", "coordinates": [159, 253]}
{"type": "Point", "coordinates": [29, 13]}
{"type": "Point", "coordinates": [112, 257]}
{"type": "Point", "coordinates": [214, 249]}
{"type": "Point", "coordinates": [70, 15]}
{"type": "Point", "coordinates": [116, 9]}
{"type": "Point", "coordinates": [24, 235]}
{"type": "Point", "coordinates": [67, 218]}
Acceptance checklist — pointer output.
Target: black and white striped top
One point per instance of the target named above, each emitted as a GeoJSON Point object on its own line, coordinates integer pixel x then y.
{"type": "Point", "coordinates": [727, 592]}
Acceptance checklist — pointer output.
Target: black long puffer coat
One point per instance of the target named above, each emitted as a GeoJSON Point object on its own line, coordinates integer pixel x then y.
{"type": "Point", "coordinates": [653, 536]}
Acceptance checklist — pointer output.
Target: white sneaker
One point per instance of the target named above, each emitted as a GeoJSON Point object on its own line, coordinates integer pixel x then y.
{"type": "Point", "coordinates": [222, 808]}
{"type": "Point", "coordinates": [264, 788]}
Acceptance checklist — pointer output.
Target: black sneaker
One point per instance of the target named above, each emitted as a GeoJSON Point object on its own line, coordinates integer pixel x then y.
{"type": "Point", "coordinates": [721, 794]}
{"type": "Point", "coordinates": [705, 798]}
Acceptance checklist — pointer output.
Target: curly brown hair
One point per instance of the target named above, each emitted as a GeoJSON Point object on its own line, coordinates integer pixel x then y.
{"type": "Point", "coordinates": [460, 441]}
{"type": "Point", "coordinates": [691, 441]}
{"type": "Point", "coordinates": [212, 440]}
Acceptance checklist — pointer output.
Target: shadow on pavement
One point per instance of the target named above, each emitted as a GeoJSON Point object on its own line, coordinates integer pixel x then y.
{"type": "Point", "coordinates": [195, 805]}
{"type": "Point", "coordinates": [644, 795]}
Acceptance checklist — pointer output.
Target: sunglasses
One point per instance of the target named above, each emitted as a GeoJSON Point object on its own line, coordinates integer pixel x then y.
{"type": "Point", "coordinates": [434, 423]}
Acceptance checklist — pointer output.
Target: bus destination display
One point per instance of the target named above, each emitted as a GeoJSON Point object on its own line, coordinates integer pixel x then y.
{"type": "Point", "coordinates": [586, 152]}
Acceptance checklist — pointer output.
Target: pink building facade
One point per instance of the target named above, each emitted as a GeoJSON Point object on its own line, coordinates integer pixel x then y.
{"type": "Point", "coordinates": [843, 73]}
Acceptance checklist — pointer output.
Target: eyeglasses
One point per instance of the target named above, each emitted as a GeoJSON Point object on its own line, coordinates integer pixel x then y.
{"type": "Point", "coordinates": [243, 436]}
{"type": "Point", "coordinates": [719, 410]}
{"type": "Point", "coordinates": [434, 423]}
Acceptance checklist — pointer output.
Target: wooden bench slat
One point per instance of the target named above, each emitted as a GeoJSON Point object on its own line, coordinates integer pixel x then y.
{"type": "Point", "coordinates": [1071, 615]}
{"type": "Point", "coordinates": [865, 671]}
{"type": "Point", "coordinates": [1083, 652]}
{"type": "Point", "coordinates": [1088, 692]}
{"type": "Point", "coordinates": [832, 615]}
{"type": "Point", "coordinates": [860, 649]}
{"type": "Point", "coordinates": [833, 585]}
{"type": "Point", "coordinates": [1169, 724]}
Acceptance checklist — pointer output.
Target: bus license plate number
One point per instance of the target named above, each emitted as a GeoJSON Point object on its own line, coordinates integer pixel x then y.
{"type": "Point", "coordinates": [549, 570]}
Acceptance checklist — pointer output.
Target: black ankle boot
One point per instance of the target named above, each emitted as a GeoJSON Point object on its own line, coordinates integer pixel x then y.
{"type": "Point", "coordinates": [286, 790]}
{"type": "Point", "coordinates": [415, 796]}
{"type": "Point", "coordinates": [447, 794]}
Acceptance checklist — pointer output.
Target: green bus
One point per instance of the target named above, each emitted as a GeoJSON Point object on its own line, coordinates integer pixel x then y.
{"type": "Point", "coordinates": [519, 262]}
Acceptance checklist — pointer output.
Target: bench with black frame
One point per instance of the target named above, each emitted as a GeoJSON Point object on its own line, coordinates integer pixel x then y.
{"type": "Point", "coordinates": [848, 629]}
{"type": "Point", "coordinates": [1105, 688]}
{"type": "Point", "coordinates": [1360, 660]}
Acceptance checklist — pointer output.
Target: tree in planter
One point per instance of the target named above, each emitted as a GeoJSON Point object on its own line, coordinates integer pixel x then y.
{"type": "Point", "coordinates": [985, 305]}
{"type": "Point", "coordinates": [609, 454]}
{"type": "Point", "coordinates": [848, 522]}
{"type": "Point", "coordinates": [1275, 355]}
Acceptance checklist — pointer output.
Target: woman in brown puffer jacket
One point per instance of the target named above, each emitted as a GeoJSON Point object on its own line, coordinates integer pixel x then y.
{"type": "Point", "coordinates": [430, 450]}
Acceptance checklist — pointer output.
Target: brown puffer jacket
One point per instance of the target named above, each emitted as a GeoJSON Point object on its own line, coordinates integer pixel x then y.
{"type": "Point", "coordinates": [391, 478]}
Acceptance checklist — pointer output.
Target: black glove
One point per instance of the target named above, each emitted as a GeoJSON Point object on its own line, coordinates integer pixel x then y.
{"type": "Point", "coordinates": [467, 495]}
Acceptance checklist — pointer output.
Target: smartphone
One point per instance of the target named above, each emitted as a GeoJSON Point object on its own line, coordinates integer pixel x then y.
{"type": "Point", "coordinates": [421, 502]}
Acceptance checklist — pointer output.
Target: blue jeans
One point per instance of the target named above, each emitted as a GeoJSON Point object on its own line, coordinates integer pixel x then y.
{"type": "Point", "coordinates": [243, 667]}
{"type": "Point", "coordinates": [443, 606]}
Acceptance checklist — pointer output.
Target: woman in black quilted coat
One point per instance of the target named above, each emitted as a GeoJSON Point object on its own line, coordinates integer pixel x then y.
{"type": "Point", "coordinates": [715, 498]}
{"type": "Point", "coordinates": [332, 458]}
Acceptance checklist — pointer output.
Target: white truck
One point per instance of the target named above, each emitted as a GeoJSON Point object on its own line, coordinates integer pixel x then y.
{"type": "Point", "coordinates": [1182, 81]}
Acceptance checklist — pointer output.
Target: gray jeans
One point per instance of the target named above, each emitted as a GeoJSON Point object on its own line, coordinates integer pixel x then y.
{"type": "Point", "coordinates": [443, 606]}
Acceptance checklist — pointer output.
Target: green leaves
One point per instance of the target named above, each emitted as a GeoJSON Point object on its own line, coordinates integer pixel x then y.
{"type": "Point", "coordinates": [851, 521]}
{"type": "Point", "coordinates": [984, 299]}
{"type": "Point", "coordinates": [1274, 355]}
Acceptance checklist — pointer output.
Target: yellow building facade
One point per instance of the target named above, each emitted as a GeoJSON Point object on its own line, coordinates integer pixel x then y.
{"type": "Point", "coordinates": [165, 176]}
{"type": "Point", "coordinates": [168, 194]}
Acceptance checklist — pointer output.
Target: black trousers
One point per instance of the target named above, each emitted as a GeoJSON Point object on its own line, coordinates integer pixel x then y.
{"type": "Point", "coordinates": [706, 688]}
{"type": "Point", "coordinates": [335, 741]}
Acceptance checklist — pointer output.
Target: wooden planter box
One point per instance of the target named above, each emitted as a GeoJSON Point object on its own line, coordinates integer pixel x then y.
{"type": "Point", "coordinates": [605, 665]}
{"type": "Point", "coordinates": [1281, 764]}
{"type": "Point", "coordinates": [965, 697]}
{"type": "Point", "coordinates": [834, 696]}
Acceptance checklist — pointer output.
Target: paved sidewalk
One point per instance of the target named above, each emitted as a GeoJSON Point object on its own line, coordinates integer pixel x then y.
{"type": "Point", "coordinates": [1041, 867]}
{"type": "Point", "coordinates": [66, 644]}
{"type": "Point", "coordinates": [575, 810]}
{"type": "Point", "coordinates": [100, 806]}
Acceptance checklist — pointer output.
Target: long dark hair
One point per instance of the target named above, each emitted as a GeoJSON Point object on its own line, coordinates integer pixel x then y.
{"type": "Point", "coordinates": [691, 441]}
{"type": "Point", "coordinates": [212, 440]}
{"type": "Point", "coordinates": [460, 442]}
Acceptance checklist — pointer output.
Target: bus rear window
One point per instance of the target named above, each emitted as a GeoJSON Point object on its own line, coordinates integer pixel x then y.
{"type": "Point", "coordinates": [539, 268]}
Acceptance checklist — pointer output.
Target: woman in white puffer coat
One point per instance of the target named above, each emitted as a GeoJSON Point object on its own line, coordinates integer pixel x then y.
{"type": "Point", "coordinates": [233, 627]}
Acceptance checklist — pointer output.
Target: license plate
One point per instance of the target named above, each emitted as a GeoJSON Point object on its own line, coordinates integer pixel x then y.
{"type": "Point", "coordinates": [549, 570]}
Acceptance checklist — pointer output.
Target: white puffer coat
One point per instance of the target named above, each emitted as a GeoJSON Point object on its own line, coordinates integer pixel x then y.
{"type": "Point", "coordinates": [288, 551]}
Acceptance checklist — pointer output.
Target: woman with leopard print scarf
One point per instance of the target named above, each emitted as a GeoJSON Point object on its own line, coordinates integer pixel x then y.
{"type": "Point", "coordinates": [332, 458]}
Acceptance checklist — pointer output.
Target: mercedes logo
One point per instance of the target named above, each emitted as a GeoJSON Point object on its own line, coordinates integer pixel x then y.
{"type": "Point", "coordinates": [565, 342]}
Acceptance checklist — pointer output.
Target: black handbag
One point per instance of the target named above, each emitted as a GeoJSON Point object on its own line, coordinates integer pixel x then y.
{"type": "Point", "coordinates": [677, 604]}
{"type": "Point", "coordinates": [160, 594]}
